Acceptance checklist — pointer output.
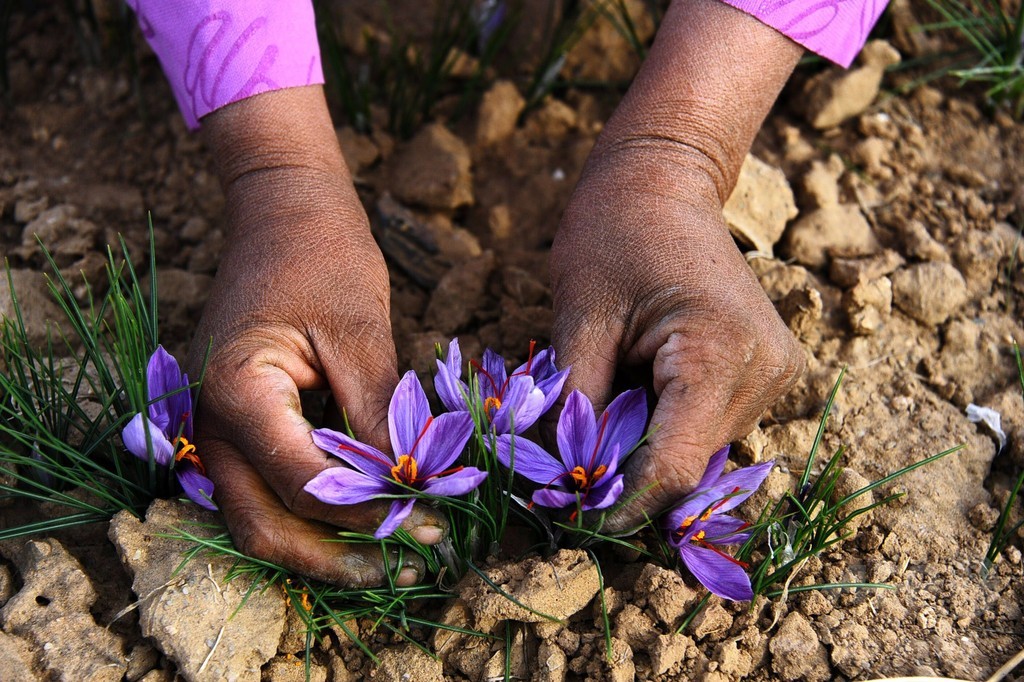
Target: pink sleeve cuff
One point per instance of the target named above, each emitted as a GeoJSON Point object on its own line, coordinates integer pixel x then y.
{"type": "Point", "coordinates": [215, 52]}
{"type": "Point", "coordinates": [834, 29]}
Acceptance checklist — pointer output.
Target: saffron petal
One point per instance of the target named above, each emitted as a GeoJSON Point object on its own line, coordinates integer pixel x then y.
{"type": "Point", "coordinates": [551, 385]}
{"type": "Point", "coordinates": [450, 389]}
{"type": "Point", "coordinates": [162, 376]}
{"type": "Point", "coordinates": [442, 442]}
{"type": "Point", "coordinates": [400, 510]}
{"type": "Point", "coordinates": [493, 382]}
{"type": "Point", "coordinates": [747, 479]}
{"type": "Point", "coordinates": [197, 487]}
{"type": "Point", "coordinates": [577, 430]}
{"type": "Point", "coordinates": [134, 437]}
{"type": "Point", "coordinates": [717, 573]}
{"type": "Point", "coordinates": [363, 457]}
{"type": "Point", "coordinates": [722, 529]}
{"type": "Point", "coordinates": [530, 460]}
{"type": "Point", "coordinates": [627, 417]}
{"type": "Point", "coordinates": [458, 483]}
{"type": "Point", "coordinates": [407, 414]}
{"type": "Point", "coordinates": [604, 495]}
{"type": "Point", "coordinates": [553, 497]}
{"type": "Point", "coordinates": [521, 408]}
{"type": "Point", "coordinates": [713, 471]}
{"type": "Point", "coordinates": [341, 485]}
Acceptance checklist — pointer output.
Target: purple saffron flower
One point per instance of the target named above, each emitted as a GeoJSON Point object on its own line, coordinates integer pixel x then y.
{"type": "Point", "coordinates": [170, 428]}
{"type": "Point", "coordinates": [426, 448]}
{"type": "Point", "coordinates": [589, 450]}
{"type": "Point", "coordinates": [514, 400]}
{"type": "Point", "coordinates": [699, 526]}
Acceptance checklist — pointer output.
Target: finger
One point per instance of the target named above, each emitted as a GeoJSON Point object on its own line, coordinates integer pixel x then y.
{"type": "Point", "coordinates": [696, 415]}
{"type": "Point", "coordinates": [263, 528]}
{"type": "Point", "coordinates": [262, 417]}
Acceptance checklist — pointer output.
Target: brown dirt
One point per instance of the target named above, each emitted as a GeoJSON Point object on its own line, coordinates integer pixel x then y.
{"type": "Point", "coordinates": [898, 267]}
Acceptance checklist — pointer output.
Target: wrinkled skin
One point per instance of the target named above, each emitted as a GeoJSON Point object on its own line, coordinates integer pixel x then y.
{"type": "Point", "coordinates": [300, 301]}
{"type": "Point", "coordinates": [643, 268]}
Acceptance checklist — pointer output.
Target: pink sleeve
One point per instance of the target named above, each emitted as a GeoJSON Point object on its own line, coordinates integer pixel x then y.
{"type": "Point", "coordinates": [216, 52]}
{"type": "Point", "coordinates": [834, 29]}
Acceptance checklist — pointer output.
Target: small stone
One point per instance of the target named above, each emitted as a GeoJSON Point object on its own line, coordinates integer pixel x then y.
{"type": "Point", "coordinates": [559, 587]}
{"type": "Point", "coordinates": [667, 651]}
{"type": "Point", "coordinates": [836, 95]}
{"type": "Point", "coordinates": [919, 244]}
{"type": "Point", "coordinates": [289, 668]}
{"type": "Point", "coordinates": [16, 659]}
{"type": "Point", "coordinates": [433, 170]}
{"type": "Point", "coordinates": [846, 272]}
{"type": "Point", "coordinates": [868, 305]}
{"type": "Point", "coordinates": [141, 660]}
{"type": "Point", "coordinates": [778, 278]}
{"type": "Point", "coordinates": [802, 309]}
{"type": "Point", "coordinates": [712, 622]}
{"type": "Point", "coordinates": [499, 221]}
{"type": "Point", "coordinates": [733, 661]}
{"type": "Point", "coordinates": [978, 255]}
{"type": "Point", "coordinates": [760, 206]}
{"type": "Point", "coordinates": [634, 627]}
{"type": "Point", "coordinates": [52, 611]}
{"type": "Point", "coordinates": [405, 663]}
{"type": "Point", "coordinates": [459, 294]}
{"type": "Point", "coordinates": [796, 652]}
{"type": "Point", "coordinates": [552, 664]}
{"type": "Point", "coordinates": [668, 597]}
{"type": "Point", "coordinates": [821, 182]}
{"type": "Point", "coordinates": [359, 151]}
{"type": "Point", "coordinates": [831, 231]}
{"type": "Point", "coordinates": [27, 210]}
{"type": "Point", "coordinates": [498, 113]}
{"type": "Point", "coordinates": [237, 629]}
{"type": "Point", "coordinates": [929, 292]}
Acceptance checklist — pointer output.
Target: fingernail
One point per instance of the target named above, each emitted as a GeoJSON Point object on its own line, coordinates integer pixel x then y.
{"type": "Point", "coordinates": [427, 535]}
{"type": "Point", "coordinates": [407, 577]}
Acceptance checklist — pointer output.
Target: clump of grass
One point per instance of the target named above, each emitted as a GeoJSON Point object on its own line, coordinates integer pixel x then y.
{"type": "Point", "coordinates": [63, 405]}
{"type": "Point", "coordinates": [805, 522]}
{"type": "Point", "coordinates": [1001, 533]}
{"type": "Point", "coordinates": [996, 37]}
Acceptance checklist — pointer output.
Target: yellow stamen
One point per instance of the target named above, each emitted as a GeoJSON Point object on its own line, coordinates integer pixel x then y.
{"type": "Point", "coordinates": [188, 453]}
{"type": "Point", "coordinates": [406, 471]}
{"type": "Point", "coordinates": [584, 481]}
{"type": "Point", "coordinates": [306, 604]}
{"type": "Point", "coordinates": [698, 536]}
{"type": "Point", "coordinates": [491, 403]}
{"type": "Point", "coordinates": [687, 522]}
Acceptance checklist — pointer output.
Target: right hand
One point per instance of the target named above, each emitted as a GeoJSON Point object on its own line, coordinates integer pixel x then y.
{"type": "Point", "coordinates": [300, 302]}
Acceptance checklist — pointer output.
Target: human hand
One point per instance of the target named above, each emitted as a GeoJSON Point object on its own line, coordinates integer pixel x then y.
{"type": "Point", "coordinates": [300, 302]}
{"type": "Point", "coordinates": [644, 271]}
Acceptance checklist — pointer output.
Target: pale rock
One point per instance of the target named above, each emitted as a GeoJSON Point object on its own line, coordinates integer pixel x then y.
{"type": "Point", "coordinates": [918, 242]}
{"type": "Point", "coordinates": [713, 621]}
{"type": "Point", "coordinates": [634, 627]}
{"type": "Point", "coordinates": [821, 181]}
{"type": "Point", "coordinates": [16, 660]}
{"type": "Point", "coordinates": [874, 155]}
{"type": "Point", "coordinates": [667, 596]}
{"type": "Point", "coordinates": [733, 661]}
{"type": "Point", "coordinates": [358, 150]}
{"type": "Point", "coordinates": [929, 292]}
{"type": "Point", "coordinates": [52, 611]}
{"type": "Point", "coordinates": [459, 294]}
{"type": "Point", "coordinates": [406, 663]}
{"type": "Point", "coordinates": [667, 651]}
{"type": "Point", "coordinates": [551, 663]}
{"type": "Point", "coordinates": [513, 665]}
{"type": "Point", "coordinates": [552, 121]}
{"type": "Point", "coordinates": [289, 668]}
{"type": "Point", "coordinates": [498, 113]}
{"type": "Point", "coordinates": [27, 210]}
{"type": "Point", "coordinates": [868, 305]}
{"type": "Point", "coordinates": [978, 255]}
{"type": "Point", "coordinates": [62, 232]}
{"type": "Point", "coordinates": [778, 278]}
{"type": "Point", "coordinates": [802, 309]}
{"type": "Point", "coordinates": [847, 272]}
{"type": "Point", "coordinates": [433, 170]}
{"type": "Point", "coordinates": [760, 206]}
{"type": "Point", "coordinates": [193, 614]}
{"type": "Point", "coordinates": [38, 308]}
{"type": "Point", "coordinates": [558, 587]}
{"type": "Point", "coordinates": [796, 652]}
{"type": "Point", "coordinates": [836, 95]}
{"type": "Point", "coordinates": [829, 232]}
